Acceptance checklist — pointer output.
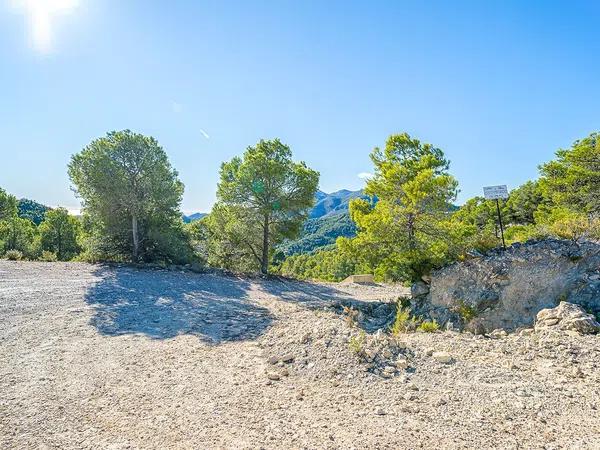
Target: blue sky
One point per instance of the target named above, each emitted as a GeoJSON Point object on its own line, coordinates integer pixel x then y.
{"type": "Point", "coordinates": [498, 85]}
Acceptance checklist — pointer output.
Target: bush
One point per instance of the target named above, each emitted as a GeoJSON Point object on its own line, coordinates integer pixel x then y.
{"type": "Point", "coordinates": [48, 256]}
{"type": "Point", "coordinates": [14, 255]}
{"type": "Point", "coordinates": [428, 326]}
{"type": "Point", "coordinates": [404, 321]}
{"type": "Point", "coordinates": [357, 343]}
{"type": "Point", "coordinates": [466, 311]}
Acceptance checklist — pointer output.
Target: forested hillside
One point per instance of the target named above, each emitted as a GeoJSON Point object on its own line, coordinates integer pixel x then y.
{"type": "Point", "coordinates": [334, 203]}
{"type": "Point", "coordinates": [32, 210]}
{"type": "Point", "coordinates": [269, 216]}
{"type": "Point", "coordinates": [320, 232]}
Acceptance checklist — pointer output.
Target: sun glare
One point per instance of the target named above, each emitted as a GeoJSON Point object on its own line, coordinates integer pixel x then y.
{"type": "Point", "coordinates": [40, 14]}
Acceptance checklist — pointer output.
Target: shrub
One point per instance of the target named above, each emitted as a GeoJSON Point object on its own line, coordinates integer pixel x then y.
{"type": "Point", "coordinates": [357, 343]}
{"type": "Point", "coordinates": [14, 255]}
{"type": "Point", "coordinates": [428, 326]}
{"type": "Point", "coordinates": [404, 321]}
{"type": "Point", "coordinates": [48, 256]}
{"type": "Point", "coordinates": [465, 311]}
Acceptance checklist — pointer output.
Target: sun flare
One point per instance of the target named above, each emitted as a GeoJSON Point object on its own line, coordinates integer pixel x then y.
{"type": "Point", "coordinates": [40, 14]}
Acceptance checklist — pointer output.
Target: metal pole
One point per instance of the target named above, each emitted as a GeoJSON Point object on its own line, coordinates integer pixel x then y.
{"type": "Point", "coordinates": [500, 220]}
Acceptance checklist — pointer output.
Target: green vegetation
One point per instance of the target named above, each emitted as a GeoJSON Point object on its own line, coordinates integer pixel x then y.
{"type": "Point", "coordinates": [14, 255]}
{"type": "Point", "coordinates": [47, 256]}
{"type": "Point", "coordinates": [34, 211]}
{"type": "Point", "coordinates": [402, 226]}
{"type": "Point", "coordinates": [329, 265]}
{"type": "Point", "coordinates": [263, 198]}
{"type": "Point", "coordinates": [466, 311]}
{"type": "Point", "coordinates": [131, 196]}
{"type": "Point", "coordinates": [404, 321]}
{"type": "Point", "coordinates": [59, 233]}
{"type": "Point", "coordinates": [320, 232]}
{"type": "Point", "coordinates": [428, 326]}
{"type": "Point", "coordinates": [357, 343]}
{"type": "Point", "coordinates": [415, 228]}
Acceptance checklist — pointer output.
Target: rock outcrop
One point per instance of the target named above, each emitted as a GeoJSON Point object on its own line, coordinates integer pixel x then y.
{"type": "Point", "coordinates": [567, 316]}
{"type": "Point", "coordinates": [506, 289]}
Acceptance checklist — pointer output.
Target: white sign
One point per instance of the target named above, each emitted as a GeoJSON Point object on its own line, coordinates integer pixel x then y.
{"type": "Point", "coordinates": [495, 192]}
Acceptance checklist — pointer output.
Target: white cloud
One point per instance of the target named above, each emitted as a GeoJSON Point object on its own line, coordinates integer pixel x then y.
{"type": "Point", "coordinates": [176, 107]}
{"type": "Point", "coordinates": [39, 15]}
{"type": "Point", "coordinates": [365, 175]}
{"type": "Point", "coordinates": [204, 133]}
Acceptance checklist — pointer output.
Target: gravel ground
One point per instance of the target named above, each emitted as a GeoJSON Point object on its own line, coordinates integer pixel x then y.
{"type": "Point", "coordinates": [113, 357]}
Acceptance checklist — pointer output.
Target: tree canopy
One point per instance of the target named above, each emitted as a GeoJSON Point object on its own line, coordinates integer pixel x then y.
{"type": "Point", "coordinates": [59, 234]}
{"type": "Point", "coordinates": [132, 194]}
{"type": "Point", "coordinates": [263, 198]}
{"type": "Point", "coordinates": [572, 180]}
{"type": "Point", "coordinates": [404, 234]}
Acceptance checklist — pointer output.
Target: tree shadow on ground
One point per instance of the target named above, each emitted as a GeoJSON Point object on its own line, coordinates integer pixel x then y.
{"type": "Point", "coordinates": [162, 304]}
{"type": "Point", "coordinates": [304, 293]}
{"type": "Point", "coordinates": [370, 315]}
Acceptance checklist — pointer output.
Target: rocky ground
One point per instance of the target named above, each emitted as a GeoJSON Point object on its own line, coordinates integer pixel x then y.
{"type": "Point", "coordinates": [109, 357]}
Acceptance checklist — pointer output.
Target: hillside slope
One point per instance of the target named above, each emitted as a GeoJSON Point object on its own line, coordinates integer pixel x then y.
{"type": "Point", "coordinates": [334, 203]}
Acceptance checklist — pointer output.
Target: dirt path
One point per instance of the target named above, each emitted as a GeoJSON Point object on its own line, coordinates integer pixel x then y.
{"type": "Point", "coordinates": [97, 357]}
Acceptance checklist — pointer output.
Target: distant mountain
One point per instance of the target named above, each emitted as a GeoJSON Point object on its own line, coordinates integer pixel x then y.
{"type": "Point", "coordinates": [194, 217]}
{"type": "Point", "coordinates": [320, 232]}
{"type": "Point", "coordinates": [328, 220]}
{"type": "Point", "coordinates": [32, 210]}
{"type": "Point", "coordinates": [334, 203]}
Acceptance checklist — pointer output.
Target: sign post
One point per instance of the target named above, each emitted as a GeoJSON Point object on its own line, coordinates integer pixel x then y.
{"type": "Point", "coordinates": [496, 193]}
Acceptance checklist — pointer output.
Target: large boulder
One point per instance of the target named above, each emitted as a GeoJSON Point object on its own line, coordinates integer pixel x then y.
{"type": "Point", "coordinates": [567, 316]}
{"type": "Point", "coordinates": [506, 289]}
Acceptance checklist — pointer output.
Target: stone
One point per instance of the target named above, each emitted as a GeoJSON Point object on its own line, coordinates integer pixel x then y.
{"type": "Point", "coordinates": [506, 289]}
{"type": "Point", "coordinates": [443, 357]}
{"type": "Point", "coordinates": [419, 289]}
{"type": "Point", "coordinates": [401, 363]}
{"type": "Point", "coordinates": [273, 360]}
{"type": "Point", "coordinates": [577, 372]}
{"type": "Point", "coordinates": [380, 411]}
{"type": "Point", "coordinates": [273, 376]}
{"type": "Point", "coordinates": [498, 333]}
{"type": "Point", "coordinates": [567, 317]}
{"type": "Point", "coordinates": [410, 396]}
{"type": "Point", "coordinates": [287, 358]}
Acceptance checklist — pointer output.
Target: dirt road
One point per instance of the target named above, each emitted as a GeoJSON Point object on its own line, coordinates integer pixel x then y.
{"type": "Point", "coordinates": [108, 357]}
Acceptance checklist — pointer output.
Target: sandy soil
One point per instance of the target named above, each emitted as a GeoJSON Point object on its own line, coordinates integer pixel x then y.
{"type": "Point", "coordinates": [108, 357]}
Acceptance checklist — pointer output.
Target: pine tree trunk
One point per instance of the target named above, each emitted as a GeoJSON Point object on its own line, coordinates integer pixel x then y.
{"type": "Point", "coordinates": [264, 266]}
{"type": "Point", "coordinates": [136, 239]}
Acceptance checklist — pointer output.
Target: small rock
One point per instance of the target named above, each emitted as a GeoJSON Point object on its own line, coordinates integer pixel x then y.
{"type": "Point", "coordinates": [287, 358]}
{"type": "Point", "coordinates": [273, 376]}
{"type": "Point", "coordinates": [443, 357]}
{"type": "Point", "coordinates": [419, 289]}
{"type": "Point", "coordinates": [380, 411]}
{"type": "Point", "coordinates": [410, 396]}
{"type": "Point", "coordinates": [273, 360]}
{"type": "Point", "coordinates": [577, 372]}
{"type": "Point", "coordinates": [401, 363]}
{"type": "Point", "coordinates": [567, 317]}
{"type": "Point", "coordinates": [386, 353]}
